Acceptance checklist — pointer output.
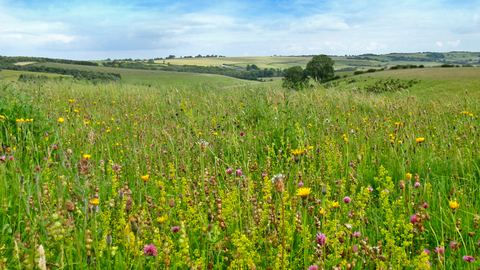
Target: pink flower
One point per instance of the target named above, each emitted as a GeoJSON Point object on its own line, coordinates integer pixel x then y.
{"type": "Point", "coordinates": [355, 248]}
{"type": "Point", "coordinates": [413, 218]}
{"type": "Point", "coordinates": [3, 158]}
{"type": "Point", "coordinates": [468, 258]}
{"type": "Point", "coordinates": [425, 205]}
{"type": "Point", "coordinates": [238, 173]}
{"type": "Point", "coordinates": [417, 184]}
{"type": "Point", "coordinates": [229, 171]}
{"type": "Point", "coordinates": [357, 234]}
{"type": "Point", "coordinates": [313, 267]}
{"type": "Point", "coordinates": [440, 250]}
{"type": "Point", "coordinates": [370, 189]}
{"type": "Point", "coordinates": [150, 250]}
{"type": "Point", "coordinates": [175, 229]}
{"type": "Point", "coordinates": [300, 184]}
{"type": "Point", "coordinates": [426, 251]}
{"type": "Point", "coordinates": [321, 239]}
{"type": "Point", "coordinates": [453, 245]}
{"type": "Point", "coordinates": [347, 199]}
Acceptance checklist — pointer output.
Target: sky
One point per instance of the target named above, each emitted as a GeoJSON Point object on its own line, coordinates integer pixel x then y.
{"type": "Point", "coordinates": [95, 30]}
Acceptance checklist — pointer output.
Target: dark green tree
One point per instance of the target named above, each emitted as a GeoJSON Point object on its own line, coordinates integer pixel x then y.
{"type": "Point", "coordinates": [320, 67]}
{"type": "Point", "coordinates": [295, 78]}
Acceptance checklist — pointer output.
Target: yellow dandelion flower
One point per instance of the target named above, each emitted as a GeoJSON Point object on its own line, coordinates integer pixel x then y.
{"type": "Point", "coordinates": [87, 156]}
{"type": "Point", "coordinates": [160, 219]}
{"type": "Point", "coordinates": [453, 205]}
{"type": "Point", "coordinates": [408, 176]}
{"type": "Point", "coordinates": [61, 120]}
{"type": "Point", "coordinates": [303, 192]}
{"type": "Point", "coordinates": [420, 140]}
{"type": "Point", "coordinates": [95, 201]}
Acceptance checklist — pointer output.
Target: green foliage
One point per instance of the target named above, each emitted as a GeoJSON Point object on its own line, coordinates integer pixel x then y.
{"type": "Point", "coordinates": [295, 78]}
{"type": "Point", "coordinates": [320, 67]}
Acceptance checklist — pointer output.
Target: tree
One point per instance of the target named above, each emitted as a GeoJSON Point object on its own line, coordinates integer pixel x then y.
{"type": "Point", "coordinates": [295, 77]}
{"type": "Point", "coordinates": [320, 67]}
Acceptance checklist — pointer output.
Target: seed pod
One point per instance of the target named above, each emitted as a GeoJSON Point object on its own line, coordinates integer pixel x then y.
{"type": "Point", "coordinates": [401, 184]}
{"type": "Point", "coordinates": [129, 204]}
{"type": "Point", "coordinates": [324, 190]}
{"type": "Point", "coordinates": [70, 206]}
{"type": "Point", "coordinates": [171, 203]}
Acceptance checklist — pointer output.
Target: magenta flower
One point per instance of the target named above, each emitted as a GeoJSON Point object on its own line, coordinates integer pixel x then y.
{"type": "Point", "coordinates": [229, 171]}
{"type": "Point", "coordinates": [413, 218]}
{"type": "Point", "coordinates": [440, 250]}
{"type": "Point", "coordinates": [426, 251]}
{"type": "Point", "coordinates": [453, 245]}
{"type": "Point", "coordinates": [468, 258]}
{"type": "Point", "coordinates": [347, 199]}
{"type": "Point", "coordinates": [321, 239]}
{"type": "Point", "coordinates": [150, 250]}
{"type": "Point", "coordinates": [313, 267]}
{"type": "Point", "coordinates": [355, 248]}
{"type": "Point", "coordinates": [357, 234]}
{"type": "Point", "coordinates": [238, 173]}
{"type": "Point", "coordinates": [3, 158]}
{"type": "Point", "coordinates": [351, 164]}
{"type": "Point", "coordinates": [417, 184]}
{"type": "Point", "coordinates": [241, 133]}
{"type": "Point", "coordinates": [425, 205]}
{"type": "Point", "coordinates": [370, 189]}
{"type": "Point", "coordinates": [300, 184]}
{"type": "Point", "coordinates": [175, 229]}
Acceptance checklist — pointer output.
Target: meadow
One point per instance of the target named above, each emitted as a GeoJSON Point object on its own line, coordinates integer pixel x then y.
{"type": "Point", "coordinates": [203, 176]}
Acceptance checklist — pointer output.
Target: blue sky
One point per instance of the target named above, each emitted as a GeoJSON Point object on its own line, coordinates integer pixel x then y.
{"type": "Point", "coordinates": [157, 28]}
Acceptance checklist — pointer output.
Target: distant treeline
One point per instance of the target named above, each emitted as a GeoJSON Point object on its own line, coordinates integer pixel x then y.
{"type": "Point", "coordinates": [16, 59]}
{"type": "Point", "coordinates": [251, 74]}
{"type": "Point", "coordinates": [78, 74]}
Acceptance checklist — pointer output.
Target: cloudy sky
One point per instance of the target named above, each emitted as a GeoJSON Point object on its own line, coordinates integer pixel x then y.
{"type": "Point", "coordinates": [157, 28]}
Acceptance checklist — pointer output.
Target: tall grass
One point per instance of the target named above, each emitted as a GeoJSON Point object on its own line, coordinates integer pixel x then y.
{"type": "Point", "coordinates": [210, 177]}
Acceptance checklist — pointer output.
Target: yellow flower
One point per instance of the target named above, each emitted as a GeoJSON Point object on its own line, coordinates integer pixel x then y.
{"type": "Point", "coordinates": [95, 201]}
{"type": "Point", "coordinates": [160, 219]}
{"type": "Point", "coordinates": [303, 192]}
{"type": "Point", "coordinates": [60, 120]}
{"type": "Point", "coordinates": [145, 177]}
{"type": "Point", "coordinates": [335, 204]}
{"type": "Point", "coordinates": [322, 211]}
{"type": "Point", "coordinates": [453, 205]}
{"type": "Point", "coordinates": [2, 117]}
{"type": "Point", "coordinates": [408, 176]}
{"type": "Point", "coordinates": [420, 140]}
{"type": "Point", "coordinates": [87, 156]}
{"type": "Point", "coordinates": [297, 152]}
{"type": "Point", "coordinates": [310, 148]}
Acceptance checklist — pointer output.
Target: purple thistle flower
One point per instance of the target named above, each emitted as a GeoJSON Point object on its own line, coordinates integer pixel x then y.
{"type": "Point", "coordinates": [238, 173]}
{"type": "Point", "coordinates": [175, 229]}
{"type": "Point", "coordinates": [150, 250]}
{"type": "Point", "coordinates": [241, 133]}
{"type": "Point", "coordinates": [321, 239]}
{"type": "Point", "coordinates": [468, 258]}
{"type": "Point", "coordinates": [425, 205]}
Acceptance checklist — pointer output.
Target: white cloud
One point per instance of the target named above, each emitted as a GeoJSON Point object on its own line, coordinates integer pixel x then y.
{"type": "Point", "coordinates": [454, 43]}
{"type": "Point", "coordinates": [438, 44]}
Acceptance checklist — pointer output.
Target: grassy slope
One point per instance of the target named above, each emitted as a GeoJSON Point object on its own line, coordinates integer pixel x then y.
{"type": "Point", "coordinates": [12, 75]}
{"type": "Point", "coordinates": [155, 77]}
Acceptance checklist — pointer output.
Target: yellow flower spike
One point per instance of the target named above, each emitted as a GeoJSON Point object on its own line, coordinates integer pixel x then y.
{"type": "Point", "coordinates": [453, 205]}
{"type": "Point", "coordinates": [303, 192]}
{"type": "Point", "coordinates": [145, 177]}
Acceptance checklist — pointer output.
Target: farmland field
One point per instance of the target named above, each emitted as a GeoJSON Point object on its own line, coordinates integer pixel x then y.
{"type": "Point", "coordinates": [376, 171]}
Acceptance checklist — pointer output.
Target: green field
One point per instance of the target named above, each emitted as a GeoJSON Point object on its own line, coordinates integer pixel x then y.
{"type": "Point", "coordinates": [12, 75]}
{"type": "Point", "coordinates": [154, 77]}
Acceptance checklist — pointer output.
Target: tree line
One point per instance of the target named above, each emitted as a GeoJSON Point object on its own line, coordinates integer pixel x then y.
{"type": "Point", "coordinates": [320, 69]}
{"type": "Point", "coordinates": [16, 59]}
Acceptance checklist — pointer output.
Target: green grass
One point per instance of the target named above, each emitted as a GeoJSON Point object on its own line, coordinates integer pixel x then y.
{"type": "Point", "coordinates": [155, 77]}
{"type": "Point", "coordinates": [12, 75]}
{"type": "Point", "coordinates": [94, 173]}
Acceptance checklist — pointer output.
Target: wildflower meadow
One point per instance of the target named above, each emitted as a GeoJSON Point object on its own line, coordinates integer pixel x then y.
{"type": "Point", "coordinates": [118, 176]}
